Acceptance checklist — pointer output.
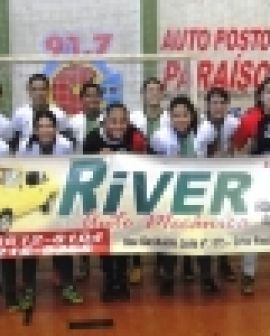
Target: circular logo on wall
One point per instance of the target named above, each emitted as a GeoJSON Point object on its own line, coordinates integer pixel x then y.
{"type": "Point", "coordinates": [67, 80]}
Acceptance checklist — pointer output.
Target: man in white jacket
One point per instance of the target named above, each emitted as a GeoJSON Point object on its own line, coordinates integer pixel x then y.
{"type": "Point", "coordinates": [152, 117]}
{"type": "Point", "coordinates": [22, 119]}
{"type": "Point", "coordinates": [148, 120]}
{"type": "Point", "coordinates": [4, 149]}
{"type": "Point", "coordinates": [5, 128]}
{"type": "Point", "coordinates": [46, 139]}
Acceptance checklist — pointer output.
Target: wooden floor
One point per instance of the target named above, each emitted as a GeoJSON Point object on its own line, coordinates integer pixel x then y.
{"type": "Point", "coordinates": [187, 313]}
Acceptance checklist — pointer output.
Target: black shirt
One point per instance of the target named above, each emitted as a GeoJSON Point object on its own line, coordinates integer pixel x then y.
{"type": "Point", "coordinates": [261, 144]}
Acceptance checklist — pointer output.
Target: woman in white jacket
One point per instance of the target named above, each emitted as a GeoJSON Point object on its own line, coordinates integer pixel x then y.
{"type": "Point", "coordinates": [45, 141]}
{"type": "Point", "coordinates": [175, 138]}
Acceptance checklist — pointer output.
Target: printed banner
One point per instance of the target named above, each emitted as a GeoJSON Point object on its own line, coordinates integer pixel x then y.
{"type": "Point", "coordinates": [134, 204]}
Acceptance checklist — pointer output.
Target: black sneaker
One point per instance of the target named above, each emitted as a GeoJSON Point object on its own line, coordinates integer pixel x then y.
{"type": "Point", "coordinates": [227, 273]}
{"type": "Point", "coordinates": [108, 293]}
{"type": "Point", "coordinates": [166, 286]}
{"type": "Point", "coordinates": [188, 276]}
{"type": "Point", "coordinates": [84, 268]}
{"type": "Point", "coordinates": [12, 304]}
{"type": "Point", "coordinates": [122, 292]}
{"type": "Point", "coordinates": [247, 285]}
{"type": "Point", "coordinates": [209, 286]}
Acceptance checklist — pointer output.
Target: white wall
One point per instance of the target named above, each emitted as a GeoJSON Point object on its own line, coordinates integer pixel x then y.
{"type": "Point", "coordinates": [31, 21]}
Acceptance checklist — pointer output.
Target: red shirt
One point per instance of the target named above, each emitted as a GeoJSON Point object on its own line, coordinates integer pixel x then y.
{"type": "Point", "coordinates": [138, 142]}
{"type": "Point", "coordinates": [248, 127]}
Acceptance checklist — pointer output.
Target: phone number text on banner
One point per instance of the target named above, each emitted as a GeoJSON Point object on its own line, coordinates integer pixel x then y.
{"type": "Point", "coordinates": [134, 204]}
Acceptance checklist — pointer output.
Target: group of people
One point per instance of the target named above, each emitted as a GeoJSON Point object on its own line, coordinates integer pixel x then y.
{"type": "Point", "coordinates": [41, 128]}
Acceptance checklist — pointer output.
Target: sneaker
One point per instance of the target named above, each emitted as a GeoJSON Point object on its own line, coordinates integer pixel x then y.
{"type": "Point", "coordinates": [209, 286]}
{"type": "Point", "coordinates": [247, 285]}
{"type": "Point", "coordinates": [27, 299]}
{"type": "Point", "coordinates": [188, 276]}
{"type": "Point", "coordinates": [84, 269]}
{"type": "Point", "coordinates": [122, 292]}
{"type": "Point", "coordinates": [13, 308]}
{"type": "Point", "coordinates": [107, 295]}
{"type": "Point", "coordinates": [227, 273]}
{"type": "Point", "coordinates": [12, 305]}
{"type": "Point", "coordinates": [71, 296]}
{"type": "Point", "coordinates": [166, 287]}
{"type": "Point", "coordinates": [157, 272]}
{"type": "Point", "coordinates": [135, 275]}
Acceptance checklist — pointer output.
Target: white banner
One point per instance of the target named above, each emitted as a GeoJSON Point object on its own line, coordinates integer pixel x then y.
{"type": "Point", "coordinates": [135, 204]}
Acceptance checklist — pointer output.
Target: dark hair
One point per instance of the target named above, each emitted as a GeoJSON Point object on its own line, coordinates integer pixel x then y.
{"type": "Point", "coordinates": [45, 114]}
{"type": "Point", "coordinates": [89, 85]}
{"type": "Point", "coordinates": [184, 100]}
{"type": "Point", "coordinates": [258, 92]}
{"type": "Point", "coordinates": [39, 77]}
{"type": "Point", "coordinates": [152, 80]}
{"type": "Point", "coordinates": [218, 91]}
{"type": "Point", "coordinates": [113, 106]}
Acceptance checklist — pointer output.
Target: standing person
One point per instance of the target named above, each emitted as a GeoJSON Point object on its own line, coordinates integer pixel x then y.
{"type": "Point", "coordinates": [84, 122]}
{"type": "Point", "coordinates": [5, 128]}
{"type": "Point", "coordinates": [148, 120]}
{"type": "Point", "coordinates": [214, 140]}
{"type": "Point", "coordinates": [176, 138]}
{"type": "Point", "coordinates": [253, 138]}
{"type": "Point", "coordinates": [5, 125]}
{"type": "Point", "coordinates": [116, 134]}
{"type": "Point", "coordinates": [89, 118]}
{"type": "Point", "coordinates": [4, 148]}
{"type": "Point", "coordinates": [38, 89]}
{"type": "Point", "coordinates": [45, 141]}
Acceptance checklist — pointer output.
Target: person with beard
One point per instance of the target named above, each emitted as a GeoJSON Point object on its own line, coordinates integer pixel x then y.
{"type": "Point", "coordinates": [176, 138]}
{"type": "Point", "coordinates": [213, 139]}
{"type": "Point", "coordinates": [116, 134]}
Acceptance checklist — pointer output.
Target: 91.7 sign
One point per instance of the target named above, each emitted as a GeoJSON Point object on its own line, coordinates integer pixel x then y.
{"type": "Point", "coordinates": [72, 43]}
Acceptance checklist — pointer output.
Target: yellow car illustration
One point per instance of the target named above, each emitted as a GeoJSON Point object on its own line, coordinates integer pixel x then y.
{"type": "Point", "coordinates": [22, 192]}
